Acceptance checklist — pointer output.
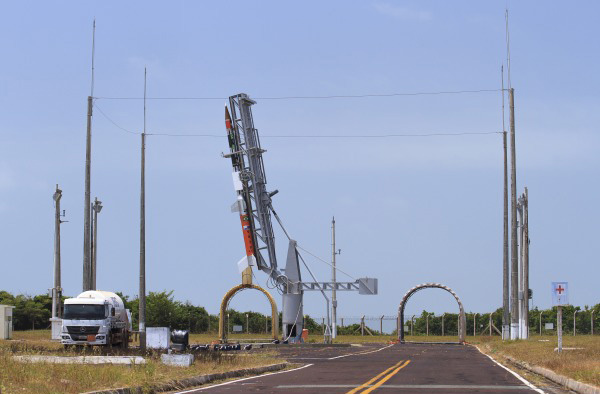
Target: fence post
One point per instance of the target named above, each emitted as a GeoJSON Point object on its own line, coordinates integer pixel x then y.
{"type": "Point", "coordinates": [574, 321]}
{"type": "Point", "coordinates": [491, 323]}
{"type": "Point", "coordinates": [427, 325]}
{"type": "Point", "coordinates": [342, 322]}
{"type": "Point", "coordinates": [323, 325]}
{"type": "Point", "coordinates": [412, 325]}
{"type": "Point", "coordinates": [443, 314]}
{"type": "Point", "coordinates": [541, 323]}
{"type": "Point", "coordinates": [381, 325]}
{"type": "Point", "coordinates": [592, 322]}
{"type": "Point", "coordinates": [362, 325]}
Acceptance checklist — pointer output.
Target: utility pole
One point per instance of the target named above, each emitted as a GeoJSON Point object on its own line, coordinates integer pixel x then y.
{"type": "Point", "coordinates": [526, 263]}
{"type": "Point", "coordinates": [514, 275]}
{"type": "Point", "coordinates": [505, 267]}
{"type": "Point", "coordinates": [333, 274]}
{"type": "Point", "coordinates": [96, 208]}
{"type": "Point", "coordinates": [142, 295]}
{"type": "Point", "coordinates": [56, 291]}
{"type": "Point", "coordinates": [86, 213]}
{"type": "Point", "coordinates": [88, 157]}
{"type": "Point", "coordinates": [55, 319]}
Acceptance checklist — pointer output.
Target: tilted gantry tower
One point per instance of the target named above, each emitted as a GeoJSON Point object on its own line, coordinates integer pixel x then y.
{"type": "Point", "coordinates": [255, 207]}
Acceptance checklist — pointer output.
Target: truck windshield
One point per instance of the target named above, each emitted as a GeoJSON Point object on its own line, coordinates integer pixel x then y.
{"type": "Point", "coordinates": [84, 312]}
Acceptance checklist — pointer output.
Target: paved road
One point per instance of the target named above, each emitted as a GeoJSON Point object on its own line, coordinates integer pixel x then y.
{"type": "Point", "coordinates": [408, 368]}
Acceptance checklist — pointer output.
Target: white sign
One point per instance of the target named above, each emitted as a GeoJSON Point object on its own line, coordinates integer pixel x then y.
{"type": "Point", "coordinates": [549, 326]}
{"type": "Point", "coordinates": [238, 328]}
{"type": "Point", "coordinates": [158, 337]}
{"type": "Point", "coordinates": [560, 293]}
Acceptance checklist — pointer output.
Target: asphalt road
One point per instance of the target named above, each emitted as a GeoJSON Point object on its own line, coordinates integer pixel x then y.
{"type": "Point", "coordinates": [407, 368]}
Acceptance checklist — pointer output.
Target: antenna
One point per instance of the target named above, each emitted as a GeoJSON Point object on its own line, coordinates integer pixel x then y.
{"type": "Point", "coordinates": [508, 49]}
{"type": "Point", "coordinates": [503, 116]}
{"type": "Point", "coordinates": [93, 52]}
{"type": "Point", "coordinates": [145, 74]}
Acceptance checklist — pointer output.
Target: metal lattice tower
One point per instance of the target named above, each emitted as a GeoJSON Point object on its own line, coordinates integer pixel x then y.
{"type": "Point", "coordinates": [252, 173]}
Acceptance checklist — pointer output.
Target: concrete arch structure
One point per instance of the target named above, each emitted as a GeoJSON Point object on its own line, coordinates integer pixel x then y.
{"type": "Point", "coordinates": [462, 320]}
{"type": "Point", "coordinates": [225, 303]}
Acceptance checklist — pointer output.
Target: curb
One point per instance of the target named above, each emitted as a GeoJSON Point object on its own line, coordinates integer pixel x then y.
{"type": "Point", "coordinates": [192, 382]}
{"type": "Point", "coordinates": [571, 384]}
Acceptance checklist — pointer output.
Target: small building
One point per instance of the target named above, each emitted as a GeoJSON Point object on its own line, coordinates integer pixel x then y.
{"type": "Point", "coordinates": [6, 321]}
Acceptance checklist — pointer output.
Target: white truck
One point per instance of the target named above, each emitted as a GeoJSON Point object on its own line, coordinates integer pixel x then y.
{"type": "Point", "coordinates": [95, 318]}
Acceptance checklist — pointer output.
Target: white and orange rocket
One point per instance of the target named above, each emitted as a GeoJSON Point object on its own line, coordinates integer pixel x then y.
{"type": "Point", "coordinates": [242, 203]}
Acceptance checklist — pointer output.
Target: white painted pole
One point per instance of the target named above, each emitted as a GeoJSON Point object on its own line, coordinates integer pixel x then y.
{"type": "Point", "coordinates": [559, 328]}
{"type": "Point", "coordinates": [574, 323]}
{"type": "Point", "coordinates": [443, 314]}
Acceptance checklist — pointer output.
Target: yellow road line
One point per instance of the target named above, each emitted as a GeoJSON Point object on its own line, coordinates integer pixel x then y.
{"type": "Point", "coordinates": [385, 379]}
{"type": "Point", "coordinates": [355, 390]}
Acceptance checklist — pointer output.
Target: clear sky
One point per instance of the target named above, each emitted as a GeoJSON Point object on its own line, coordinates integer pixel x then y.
{"type": "Point", "coordinates": [408, 210]}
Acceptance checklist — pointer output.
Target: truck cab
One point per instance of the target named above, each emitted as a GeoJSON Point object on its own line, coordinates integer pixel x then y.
{"type": "Point", "coordinates": [95, 318]}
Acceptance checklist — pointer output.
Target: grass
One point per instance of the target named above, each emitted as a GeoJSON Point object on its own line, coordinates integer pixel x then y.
{"type": "Point", "coordinates": [581, 364]}
{"type": "Point", "coordinates": [72, 378]}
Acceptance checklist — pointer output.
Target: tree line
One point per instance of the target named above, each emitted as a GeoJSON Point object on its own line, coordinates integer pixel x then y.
{"type": "Point", "coordinates": [162, 310]}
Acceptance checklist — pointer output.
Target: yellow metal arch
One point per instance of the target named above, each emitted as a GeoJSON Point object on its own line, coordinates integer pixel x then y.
{"type": "Point", "coordinates": [229, 295]}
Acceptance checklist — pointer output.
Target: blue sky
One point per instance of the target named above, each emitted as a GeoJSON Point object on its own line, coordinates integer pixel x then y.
{"type": "Point", "coordinates": [408, 210]}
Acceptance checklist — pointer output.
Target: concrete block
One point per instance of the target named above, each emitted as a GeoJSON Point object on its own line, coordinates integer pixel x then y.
{"type": "Point", "coordinates": [179, 360]}
{"type": "Point", "coordinates": [158, 338]}
{"type": "Point", "coordinates": [56, 324]}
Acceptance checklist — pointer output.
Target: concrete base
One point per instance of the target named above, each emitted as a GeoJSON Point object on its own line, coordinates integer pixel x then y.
{"type": "Point", "coordinates": [179, 360]}
{"type": "Point", "coordinates": [56, 324]}
{"type": "Point", "coordinates": [126, 360]}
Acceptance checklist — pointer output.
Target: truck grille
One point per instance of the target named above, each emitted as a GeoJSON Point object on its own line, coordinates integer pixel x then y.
{"type": "Point", "coordinates": [83, 330]}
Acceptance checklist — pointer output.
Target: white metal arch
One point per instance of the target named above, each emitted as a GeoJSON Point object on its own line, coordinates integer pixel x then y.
{"type": "Point", "coordinates": [462, 320]}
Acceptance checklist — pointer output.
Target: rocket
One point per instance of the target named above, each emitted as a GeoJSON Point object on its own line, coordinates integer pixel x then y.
{"type": "Point", "coordinates": [242, 204]}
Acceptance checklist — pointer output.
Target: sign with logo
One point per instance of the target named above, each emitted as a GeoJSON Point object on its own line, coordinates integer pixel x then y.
{"type": "Point", "coordinates": [560, 293]}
